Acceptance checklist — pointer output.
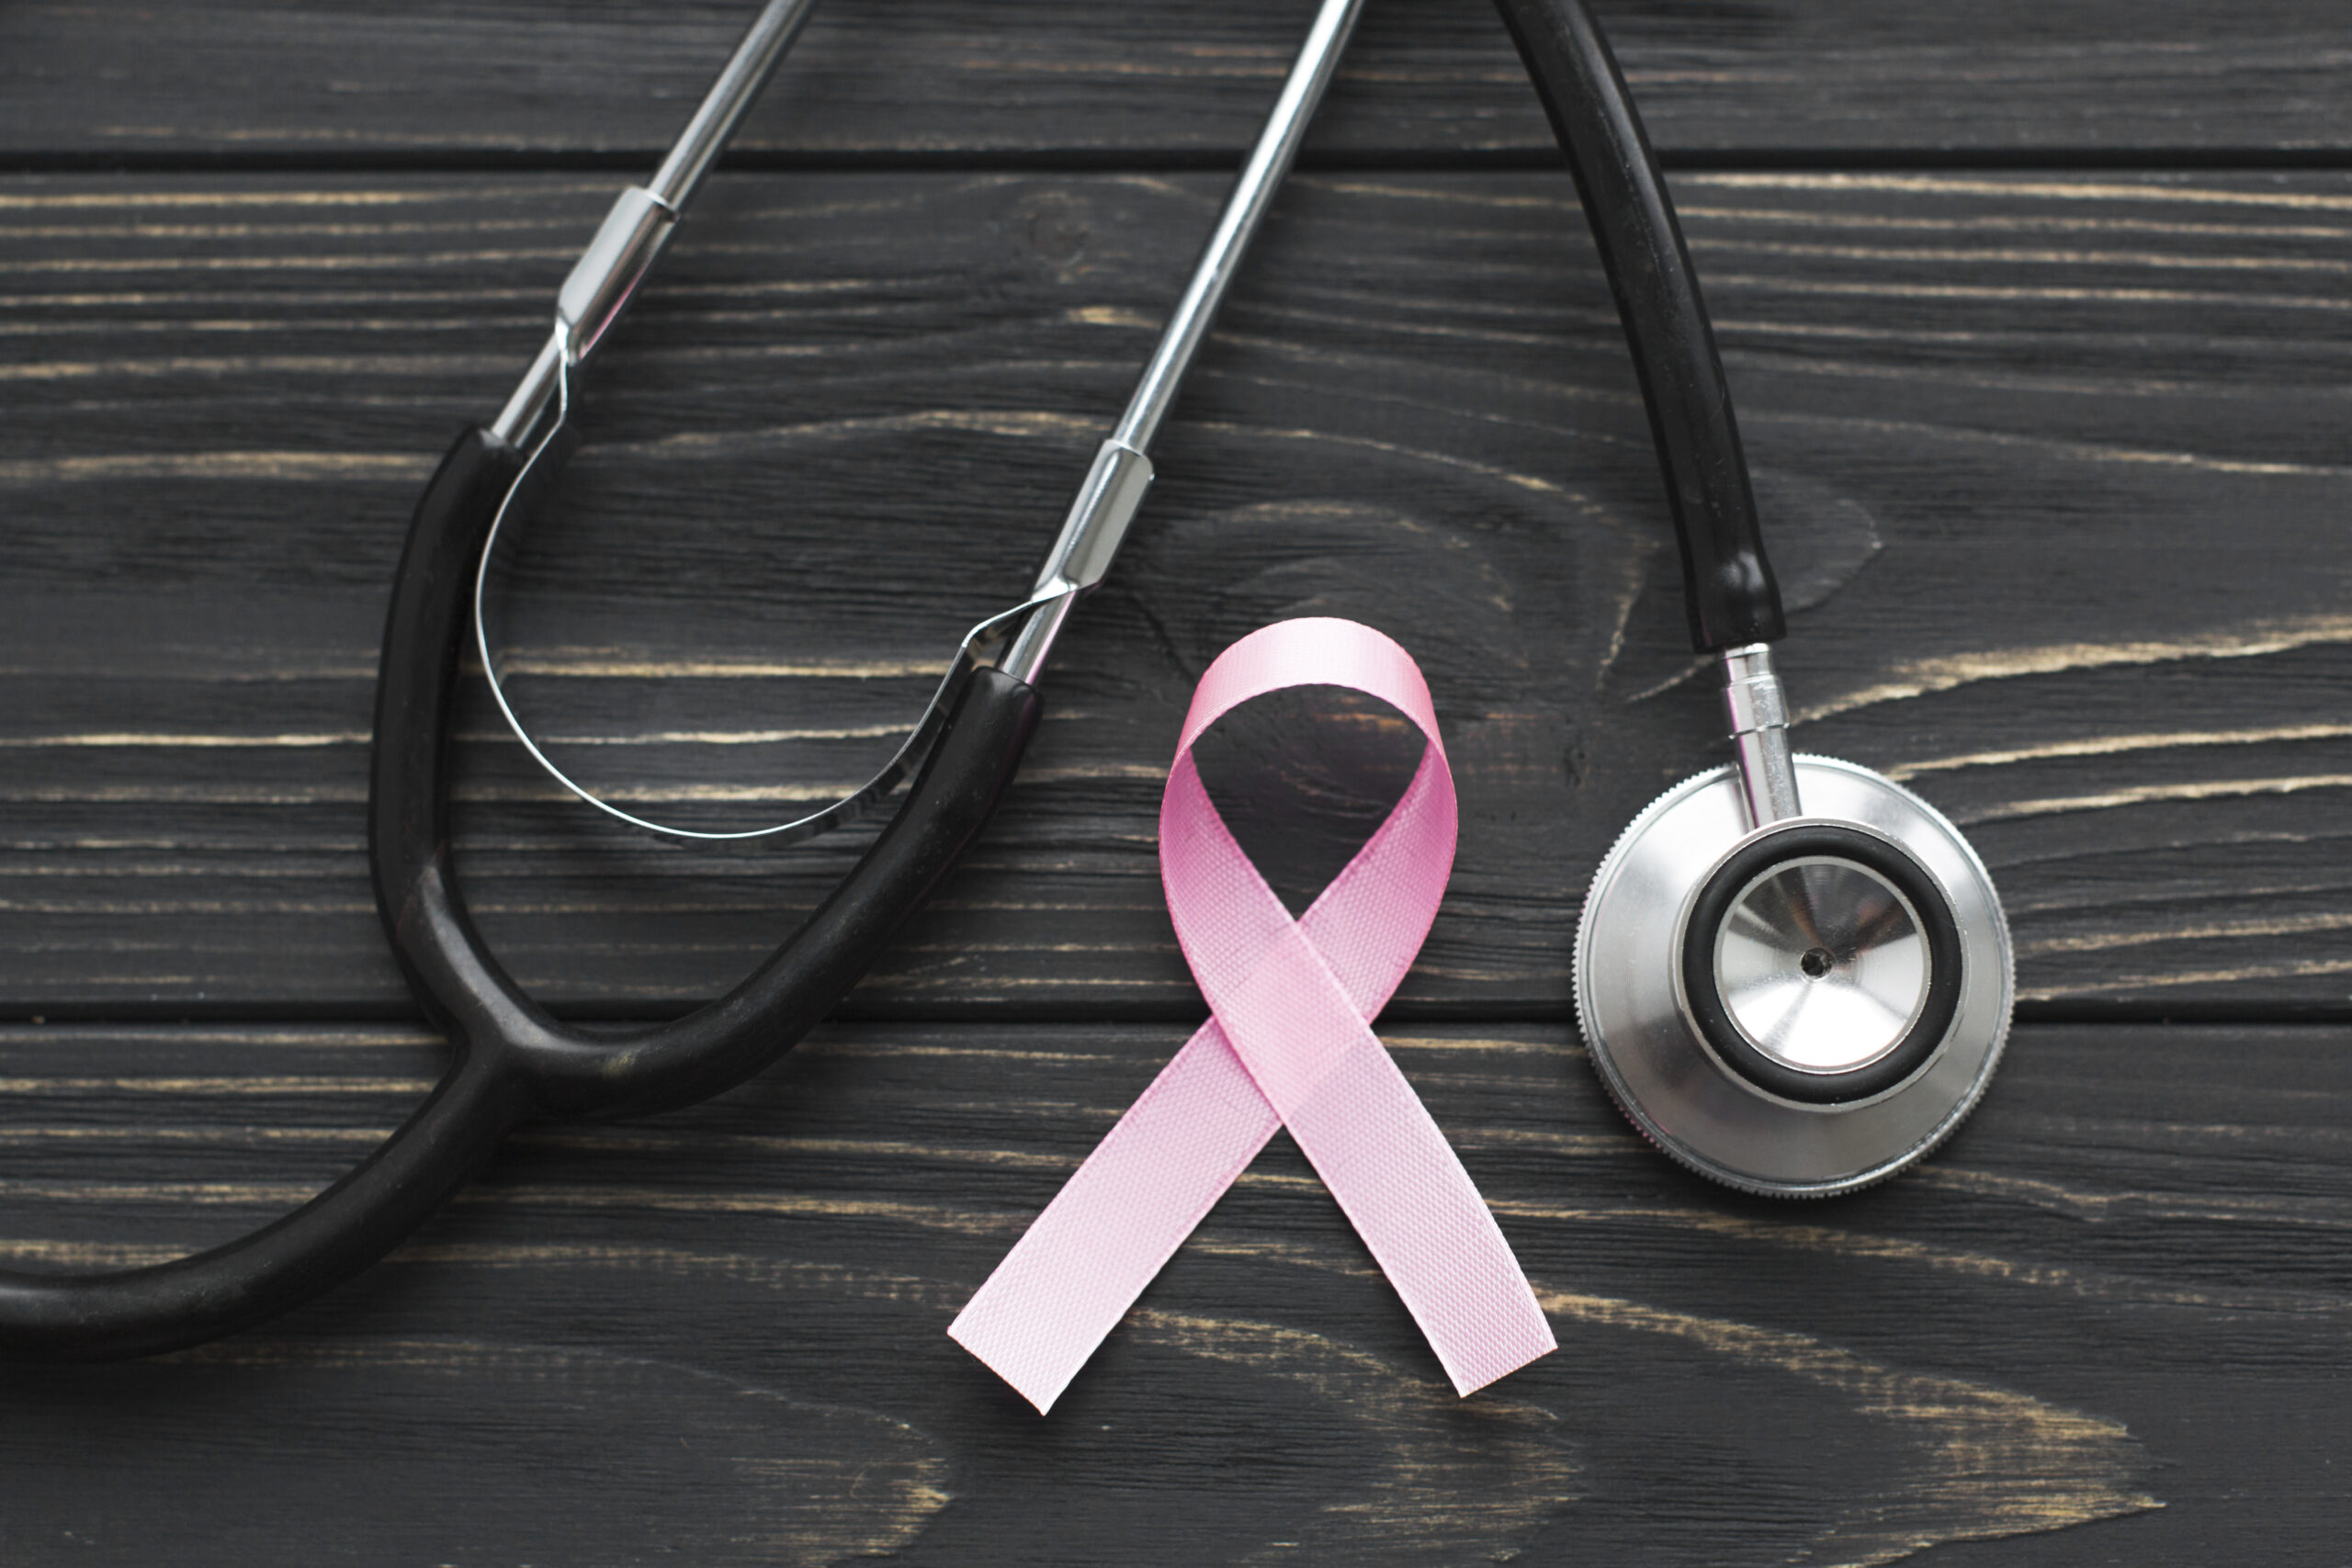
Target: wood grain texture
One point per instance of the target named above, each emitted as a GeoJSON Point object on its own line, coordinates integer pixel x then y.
{"type": "Point", "coordinates": [2117, 1303]}
{"type": "Point", "coordinates": [249, 80]}
{"type": "Point", "coordinates": [2050, 465]}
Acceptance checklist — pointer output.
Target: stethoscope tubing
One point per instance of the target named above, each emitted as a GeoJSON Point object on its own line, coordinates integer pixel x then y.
{"type": "Point", "coordinates": [510, 1060]}
{"type": "Point", "coordinates": [1728, 587]}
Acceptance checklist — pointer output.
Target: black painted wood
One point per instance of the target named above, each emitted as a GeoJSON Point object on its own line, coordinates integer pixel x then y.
{"type": "Point", "coordinates": [250, 80]}
{"type": "Point", "coordinates": [2049, 464]}
{"type": "Point", "coordinates": [2116, 1302]}
{"type": "Point", "coordinates": [2053, 461]}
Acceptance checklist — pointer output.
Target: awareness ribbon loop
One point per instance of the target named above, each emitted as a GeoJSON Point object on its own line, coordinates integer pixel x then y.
{"type": "Point", "coordinates": [1289, 1042]}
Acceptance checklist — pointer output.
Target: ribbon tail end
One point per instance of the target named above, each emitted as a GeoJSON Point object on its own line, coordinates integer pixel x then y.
{"type": "Point", "coordinates": [1468, 1381]}
{"type": "Point", "coordinates": [1040, 1391]}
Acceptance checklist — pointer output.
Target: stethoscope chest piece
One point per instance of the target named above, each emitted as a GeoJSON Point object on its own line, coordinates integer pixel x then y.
{"type": "Point", "coordinates": [1800, 1009]}
{"type": "Point", "coordinates": [1793, 973]}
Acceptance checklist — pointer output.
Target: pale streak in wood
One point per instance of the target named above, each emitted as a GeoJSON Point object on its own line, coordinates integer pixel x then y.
{"type": "Point", "coordinates": [2005, 1328]}
{"type": "Point", "coordinates": [2120, 1279]}
{"type": "Point", "coordinates": [1376, 406]}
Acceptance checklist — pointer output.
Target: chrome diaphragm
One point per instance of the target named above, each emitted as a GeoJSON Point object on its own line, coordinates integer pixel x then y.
{"type": "Point", "coordinates": [1821, 964]}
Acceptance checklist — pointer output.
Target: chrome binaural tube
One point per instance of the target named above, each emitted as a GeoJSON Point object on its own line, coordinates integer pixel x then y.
{"type": "Point", "coordinates": [641, 220]}
{"type": "Point", "coordinates": [1115, 486]}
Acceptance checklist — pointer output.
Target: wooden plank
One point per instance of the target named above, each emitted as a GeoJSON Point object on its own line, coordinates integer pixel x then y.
{"type": "Point", "coordinates": [242, 80]}
{"type": "Point", "coordinates": [2046, 459]}
{"type": "Point", "coordinates": [2107, 1320]}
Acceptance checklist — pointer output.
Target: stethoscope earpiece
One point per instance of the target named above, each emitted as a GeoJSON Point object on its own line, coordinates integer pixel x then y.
{"type": "Point", "coordinates": [1798, 1008]}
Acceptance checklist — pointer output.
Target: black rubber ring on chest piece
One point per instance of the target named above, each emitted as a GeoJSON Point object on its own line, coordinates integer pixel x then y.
{"type": "Point", "coordinates": [1805, 840]}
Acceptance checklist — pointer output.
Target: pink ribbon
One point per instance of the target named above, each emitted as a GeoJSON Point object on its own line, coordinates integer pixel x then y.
{"type": "Point", "coordinates": [1290, 1043]}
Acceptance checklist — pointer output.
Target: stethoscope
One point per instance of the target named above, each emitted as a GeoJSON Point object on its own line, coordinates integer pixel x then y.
{"type": "Point", "coordinates": [1795, 998]}
{"type": "Point", "coordinates": [510, 1060]}
{"type": "Point", "coordinates": [1791, 974]}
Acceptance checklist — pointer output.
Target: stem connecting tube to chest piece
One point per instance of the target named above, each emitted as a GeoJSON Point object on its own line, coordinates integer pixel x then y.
{"type": "Point", "coordinates": [510, 1059]}
{"type": "Point", "coordinates": [1758, 711]}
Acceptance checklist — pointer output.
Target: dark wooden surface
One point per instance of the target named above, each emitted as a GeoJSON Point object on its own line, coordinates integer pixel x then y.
{"type": "Point", "coordinates": [1020, 80]}
{"type": "Point", "coordinates": [2038, 319]}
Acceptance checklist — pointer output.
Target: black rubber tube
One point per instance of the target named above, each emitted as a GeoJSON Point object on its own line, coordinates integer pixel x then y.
{"type": "Point", "coordinates": [168, 1307]}
{"type": "Point", "coordinates": [509, 1059]}
{"type": "Point", "coordinates": [463, 988]}
{"type": "Point", "coordinates": [1727, 583]}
